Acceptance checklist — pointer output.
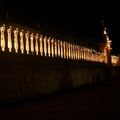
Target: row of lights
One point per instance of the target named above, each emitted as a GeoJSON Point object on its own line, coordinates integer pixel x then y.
{"type": "Point", "coordinates": [35, 43]}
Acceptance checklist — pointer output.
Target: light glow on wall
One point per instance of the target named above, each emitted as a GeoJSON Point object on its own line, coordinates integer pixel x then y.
{"type": "Point", "coordinates": [27, 43]}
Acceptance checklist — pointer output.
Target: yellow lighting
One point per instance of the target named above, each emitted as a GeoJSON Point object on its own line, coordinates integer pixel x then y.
{"type": "Point", "coordinates": [9, 39]}
{"type": "Point", "coordinates": [55, 48]}
{"type": "Point", "coordinates": [45, 46]}
{"type": "Point", "coordinates": [61, 46]}
{"type": "Point", "coordinates": [48, 41]}
{"type": "Point", "coordinates": [21, 42]}
{"type": "Point", "coordinates": [58, 48]}
{"type": "Point", "coordinates": [36, 44]}
{"type": "Point", "coordinates": [31, 42]}
{"type": "Point", "coordinates": [41, 45]}
{"type": "Point", "coordinates": [27, 41]}
{"type": "Point", "coordinates": [71, 54]}
{"type": "Point", "coordinates": [52, 47]}
{"type": "Point", "coordinates": [69, 51]}
{"type": "Point", "coordinates": [64, 51]}
{"type": "Point", "coordinates": [2, 37]}
{"type": "Point", "coordinates": [16, 40]}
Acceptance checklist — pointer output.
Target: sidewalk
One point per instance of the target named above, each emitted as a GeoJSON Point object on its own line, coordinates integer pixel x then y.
{"type": "Point", "coordinates": [92, 103]}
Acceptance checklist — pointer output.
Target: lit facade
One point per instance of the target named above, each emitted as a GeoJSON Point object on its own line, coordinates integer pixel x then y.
{"type": "Point", "coordinates": [29, 42]}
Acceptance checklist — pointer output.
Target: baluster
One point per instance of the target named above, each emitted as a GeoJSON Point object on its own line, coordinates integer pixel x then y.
{"type": "Point", "coordinates": [9, 39]}
{"type": "Point", "coordinates": [61, 48]}
{"type": "Point", "coordinates": [58, 48]}
{"type": "Point", "coordinates": [41, 45]}
{"type": "Point", "coordinates": [36, 44]}
{"type": "Point", "coordinates": [16, 40]}
{"type": "Point", "coordinates": [52, 47]}
{"type": "Point", "coordinates": [31, 43]}
{"type": "Point", "coordinates": [48, 41]}
{"type": "Point", "coordinates": [69, 50]}
{"type": "Point", "coordinates": [27, 41]}
{"type": "Point", "coordinates": [3, 38]}
{"type": "Point", "coordinates": [64, 48]}
{"type": "Point", "coordinates": [45, 46]}
{"type": "Point", "coordinates": [21, 42]}
{"type": "Point", "coordinates": [78, 52]}
{"type": "Point", "coordinates": [55, 48]}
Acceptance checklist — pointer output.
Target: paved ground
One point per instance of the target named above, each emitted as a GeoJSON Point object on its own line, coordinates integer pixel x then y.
{"type": "Point", "coordinates": [92, 103]}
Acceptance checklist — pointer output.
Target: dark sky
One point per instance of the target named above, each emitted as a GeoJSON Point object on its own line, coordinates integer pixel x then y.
{"type": "Point", "coordinates": [75, 20]}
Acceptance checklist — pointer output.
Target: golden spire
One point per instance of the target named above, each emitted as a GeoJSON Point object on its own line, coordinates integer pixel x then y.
{"type": "Point", "coordinates": [108, 41]}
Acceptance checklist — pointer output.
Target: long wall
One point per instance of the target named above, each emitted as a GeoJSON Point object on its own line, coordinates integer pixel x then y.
{"type": "Point", "coordinates": [23, 76]}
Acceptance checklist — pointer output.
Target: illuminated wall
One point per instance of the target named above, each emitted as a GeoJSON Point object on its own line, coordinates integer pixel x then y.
{"type": "Point", "coordinates": [29, 42]}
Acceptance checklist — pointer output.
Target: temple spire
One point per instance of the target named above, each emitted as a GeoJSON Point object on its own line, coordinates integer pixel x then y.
{"type": "Point", "coordinates": [107, 46]}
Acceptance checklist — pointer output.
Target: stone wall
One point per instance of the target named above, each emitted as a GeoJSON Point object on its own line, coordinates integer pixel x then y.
{"type": "Point", "coordinates": [23, 76]}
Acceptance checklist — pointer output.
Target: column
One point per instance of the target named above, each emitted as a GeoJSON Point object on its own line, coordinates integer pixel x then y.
{"type": "Point", "coordinates": [78, 52]}
{"type": "Point", "coordinates": [52, 47]}
{"type": "Point", "coordinates": [41, 45]}
{"type": "Point", "coordinates": [21, 42]}
{"type": "Point", "coordinates": [61, 48]}
{"type": "Point", "coordinates": [36, 44]}
{"type": "Point", "coordinates": [58, 48]}
{"type": "Point", "coordinates": [48, 42]}
{"type": "Point", "coordinates": [64, 50]}
{"type": "Point", "coordinates": [55, 48]}
{"type": "Point", "coordinates": [16, 40]}
{"type": "Point", "coordinates": [69, 50]}
{"type": "Point", "coordinates": [31, 43]}
{"type": "Point", "coordinates": [73, 47]}
{"type": "Point", "coordinates": [45, 46]}
{"type": "Point", "coordinates": [2, 42]}
{"type": "Point", "coordinates": [9, 39]}
{"type": "Point", "coordinates": [27, 42]}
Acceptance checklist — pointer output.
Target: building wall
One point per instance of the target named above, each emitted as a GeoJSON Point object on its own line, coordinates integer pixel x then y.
{"type": "Point", "coordinates": [23, 76]}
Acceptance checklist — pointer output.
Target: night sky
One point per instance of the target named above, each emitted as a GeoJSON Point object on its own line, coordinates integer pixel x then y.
{"type": "Point", "coordinates": [74, 21]}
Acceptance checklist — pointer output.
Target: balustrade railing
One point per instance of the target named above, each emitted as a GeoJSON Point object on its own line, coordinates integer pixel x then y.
{"type": "Point", "coordinates": [27, 42]}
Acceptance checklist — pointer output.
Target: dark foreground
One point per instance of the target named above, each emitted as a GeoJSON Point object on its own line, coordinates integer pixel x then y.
{"type": "Point", "coordinates": [93, 103]}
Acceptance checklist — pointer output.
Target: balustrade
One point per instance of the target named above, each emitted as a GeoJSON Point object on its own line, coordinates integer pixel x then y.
{"type": "Point", "coordinates": [34, 43]}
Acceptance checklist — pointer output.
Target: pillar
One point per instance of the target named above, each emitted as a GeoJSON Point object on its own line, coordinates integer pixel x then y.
{"type": "Point", "coordinates": [41, 45]}
{"type": "Point", "coordinates": [9, 39]}
{"type": "Point", "coordinates": [48, 42]}
{"type": "Point", "coordinates": [55, 43]}
{"type": "Point", "coordinates": [31, 43]}
{"type": "Point", "coordinates": [36, 44]}
{"type": "Point", "coordinates": [21, 42]}
{"type": "Point", "coordinates": [27, 42]}
{"type": "Point", "coordinates": [52, 47]}
{"type": "Point", "coordinates": [45, 46]}
{"type": "Point", "coordinates": [58, 48]}
{"type": "Point", "coordinates": [16, 40]}
{"type": "Point", "coordinates": [2, 42]}
{"type": "Point", "coordinates": [61, 48]}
